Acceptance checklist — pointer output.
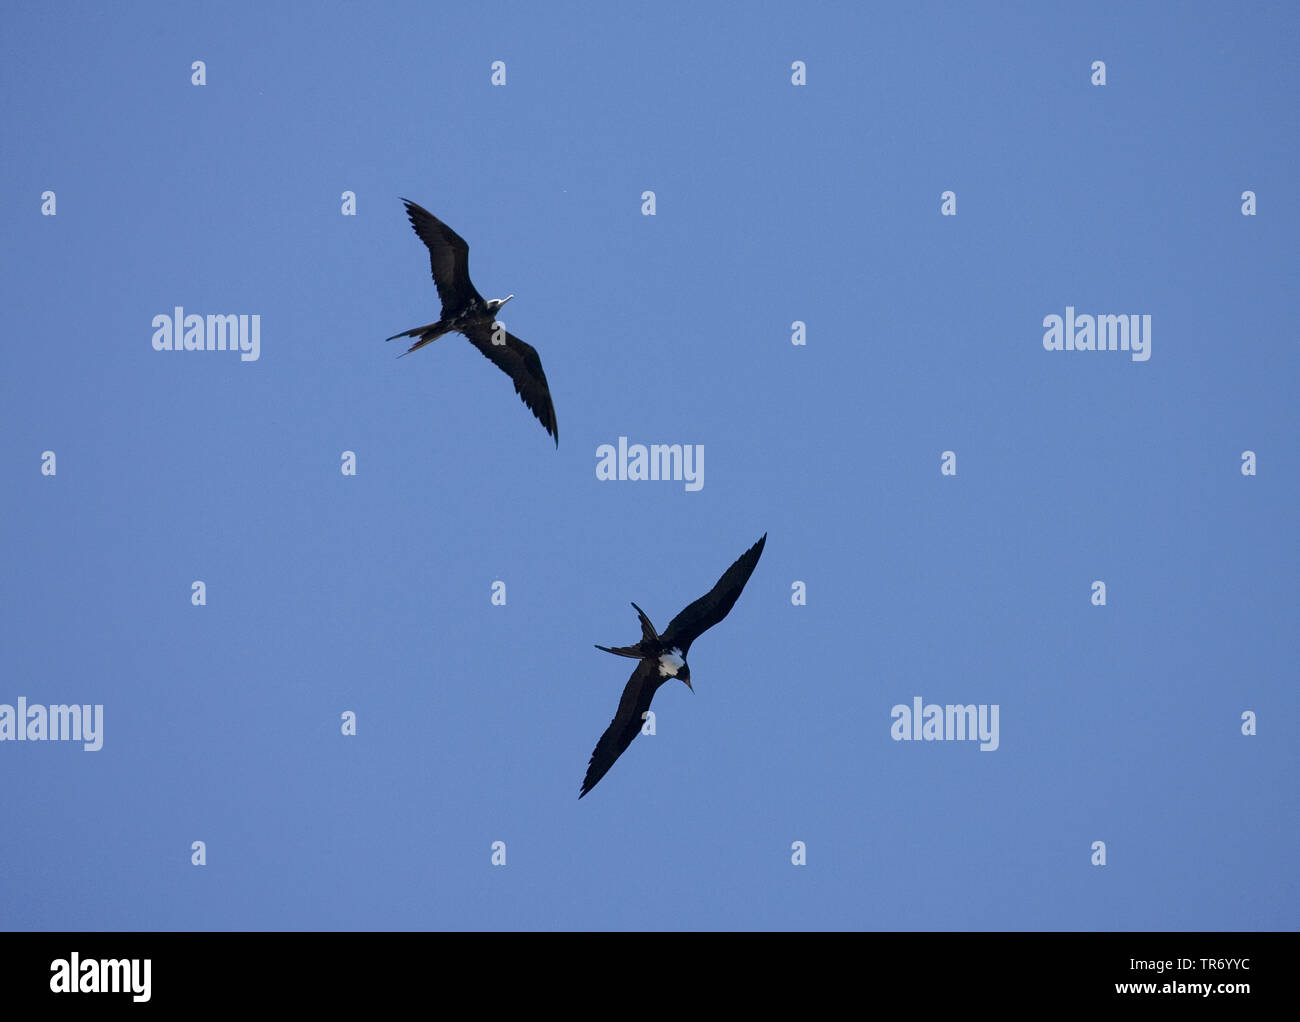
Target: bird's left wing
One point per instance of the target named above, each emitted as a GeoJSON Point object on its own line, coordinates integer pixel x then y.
{"type": "Point", "coordinates": [522, 364]}
{"type": "Point", "coordinates": [626, 725]}
{"type": "Point", "coordinates": [448, 258]}
{"type": "Point", "coordinates": [716, 604]}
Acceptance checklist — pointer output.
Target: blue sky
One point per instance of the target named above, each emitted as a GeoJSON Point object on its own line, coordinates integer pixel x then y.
{"type": "Point", "coordinates": [775, 203]}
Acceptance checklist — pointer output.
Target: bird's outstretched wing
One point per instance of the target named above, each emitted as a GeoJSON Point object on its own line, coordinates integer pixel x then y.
{"type": "Point", "coordinates": [521, 363]}
{"type": "Point", "coordinates": [711, 608]}
{"type": "Point", "coordinates": [626, 725]}
{"type": "Point", "coordinates": [448, 259]}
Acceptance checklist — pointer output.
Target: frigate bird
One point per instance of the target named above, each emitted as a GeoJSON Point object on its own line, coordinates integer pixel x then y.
{"type": "Point", "coordinates": [662, 657]}
{"type": "Point", "coordinates": [466, 311]}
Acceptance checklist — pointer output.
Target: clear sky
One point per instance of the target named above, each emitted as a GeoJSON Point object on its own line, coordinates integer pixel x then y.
{"type": "Point", "coordinates": [774, 203]}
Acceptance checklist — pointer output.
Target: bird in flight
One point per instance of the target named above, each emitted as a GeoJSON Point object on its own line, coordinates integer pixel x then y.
{"type": "Point", "coordinates": [662, 657]}
{"type": "Point", "coordinates": [466, 311]}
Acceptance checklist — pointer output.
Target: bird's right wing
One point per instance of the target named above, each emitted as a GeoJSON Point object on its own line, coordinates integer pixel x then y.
{"type": "Point", "coordinates": [448, 258]}
{"type": "Point", "coordinates": [523, 365]}
{"type": "Point", "coordinates": [626, 725]}
{"type": "Point", "coordinates": [714, 605]}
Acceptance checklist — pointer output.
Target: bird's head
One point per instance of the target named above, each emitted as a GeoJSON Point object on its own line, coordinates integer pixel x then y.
{"type": "Point", "coordinates": [684, 674]}
{"type": "Point", "coordinates": [496, 303]}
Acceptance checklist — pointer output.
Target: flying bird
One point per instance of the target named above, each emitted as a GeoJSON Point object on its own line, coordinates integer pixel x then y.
{"type": "Point", "coordinates": [466, 311]}
{"type": "Point", "coordinates": [662, 657]}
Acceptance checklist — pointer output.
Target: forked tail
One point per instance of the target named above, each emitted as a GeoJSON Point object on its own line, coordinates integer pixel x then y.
{"type": "Point", "coordinates": [648, 646]}
{"type": "Point", "coordinates": [428, 333]}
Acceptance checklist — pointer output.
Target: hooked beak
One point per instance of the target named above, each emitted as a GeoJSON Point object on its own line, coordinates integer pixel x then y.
{"type": "Point", "coordinates": [505, 299]}
{"type": "Point", "coordinates": [689, 685]}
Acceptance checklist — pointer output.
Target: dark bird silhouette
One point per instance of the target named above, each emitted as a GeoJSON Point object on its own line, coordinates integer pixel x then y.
{"type": "Point", "coordinates": [663, 657]}
{"type": "Point", "coordinates": [466, 311]}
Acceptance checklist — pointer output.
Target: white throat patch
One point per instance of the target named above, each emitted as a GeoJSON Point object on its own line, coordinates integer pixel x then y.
{"type": "Point", "coordinates": [671, 663]}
